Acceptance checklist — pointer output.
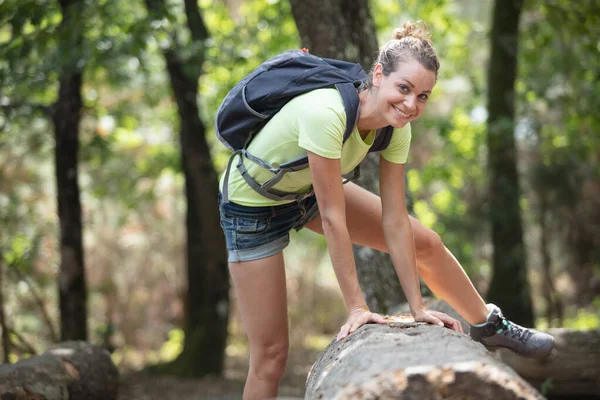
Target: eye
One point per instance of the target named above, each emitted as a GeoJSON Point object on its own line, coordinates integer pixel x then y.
{"type": "Point", "coordinates": [403, 88]}
{"type": "Point", "coordinates": [423, 97]}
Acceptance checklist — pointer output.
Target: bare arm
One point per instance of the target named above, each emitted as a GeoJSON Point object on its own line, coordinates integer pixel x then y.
{"type": "Point", "coordinates": [329, 190]}
{"type": "Point", "coordinates": [400, 241]}
{"type": "Point", "coordinates": [398, 231]}
{"type": "Point", "coordinates": [327, 183]}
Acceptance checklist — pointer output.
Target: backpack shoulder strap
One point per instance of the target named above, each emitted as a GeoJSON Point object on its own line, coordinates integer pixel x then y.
{"type": "Point", "coordinates": [351, 105]}
{"type": "Point", "coordinates": [382, 141]}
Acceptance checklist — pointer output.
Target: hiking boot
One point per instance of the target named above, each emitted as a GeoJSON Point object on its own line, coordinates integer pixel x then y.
{"type": "Point", "coordinates": [497, 331]}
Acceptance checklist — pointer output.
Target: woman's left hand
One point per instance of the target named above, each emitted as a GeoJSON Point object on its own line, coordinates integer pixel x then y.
{"type": "Point", "coordinates": [357, 318]}
{"type": "Point", "coordinates": [438, 318]}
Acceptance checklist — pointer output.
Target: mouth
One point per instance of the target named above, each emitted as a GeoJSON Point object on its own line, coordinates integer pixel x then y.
{"type": "Point", "coordinates": [401, 113]}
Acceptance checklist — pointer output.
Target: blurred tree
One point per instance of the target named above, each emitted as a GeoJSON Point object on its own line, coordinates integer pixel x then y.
{"type": "Point", "coordinates": [66, 116]}
{"type": "Point", "coordinates": [344, 29]}
{"type": "Point", "coordinates": [558, 88]}
{"type": "Point", "coordinates": [207, 300]}
{"type": "Point", "coordinates": [3, 323]}
{"type": "Point", "coordinates": [554, 306]}
{"type": "Point", "coordinates": [509, 286]}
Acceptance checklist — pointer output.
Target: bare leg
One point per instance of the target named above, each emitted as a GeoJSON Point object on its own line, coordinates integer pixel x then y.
{"type": "Point", "coordinates": [261, 293]}
{"type": "Point", "coordinates": [437, 266]}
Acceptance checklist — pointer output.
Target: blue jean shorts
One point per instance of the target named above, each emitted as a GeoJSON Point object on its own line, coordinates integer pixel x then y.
{"type": "Point", "coordinates": [252, 233]}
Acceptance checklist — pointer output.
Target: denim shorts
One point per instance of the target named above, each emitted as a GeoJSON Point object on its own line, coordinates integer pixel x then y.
{"type": "Point", "coordinates": [252, 233]}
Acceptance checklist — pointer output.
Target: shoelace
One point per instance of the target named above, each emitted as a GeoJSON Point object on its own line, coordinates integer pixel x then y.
{"type": "Point", "coordinates": [506, 327]}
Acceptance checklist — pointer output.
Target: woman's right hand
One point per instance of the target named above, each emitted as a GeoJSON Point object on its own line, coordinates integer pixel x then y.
{"type": "Point", "coordinates": [357, 318]}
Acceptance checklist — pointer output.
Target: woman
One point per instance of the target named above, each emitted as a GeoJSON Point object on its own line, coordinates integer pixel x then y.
{"type": "Point", "coordinates": [257, 228]}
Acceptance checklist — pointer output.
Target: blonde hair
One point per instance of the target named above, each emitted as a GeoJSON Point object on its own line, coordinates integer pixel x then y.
{"type": "Point", "coordinates": [412, 41]}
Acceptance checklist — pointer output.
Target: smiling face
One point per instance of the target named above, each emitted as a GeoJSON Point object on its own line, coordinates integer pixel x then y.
{"type": "Point", "coordinates": [403, 94]}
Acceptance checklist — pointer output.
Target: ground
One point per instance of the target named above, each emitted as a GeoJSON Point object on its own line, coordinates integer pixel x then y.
{"type": "Point", "coordinates": [139, 386]}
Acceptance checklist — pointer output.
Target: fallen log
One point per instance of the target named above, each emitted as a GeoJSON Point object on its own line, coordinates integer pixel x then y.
{"type": "Point", "coordinates": [409, 360]}
{"type": "Point", "coordinates": [572, 370]}
{"type": "Point", "coordinates": [68, 370]}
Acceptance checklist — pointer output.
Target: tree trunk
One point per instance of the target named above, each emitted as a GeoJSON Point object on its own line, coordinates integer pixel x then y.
{"type": "Point", "coordinates": [344, 29]}
{"type": "Point", "coordinates": [412, 361]}
{"type": "Point", "coordinates": [67, 371]}
{"type": "Point", "coordinates": [66, 117]}
{"type": "Point", "coordinates": [572, 371]}
{"type": "Point", "coordinates": [553, 304]}
{"type": "Point", "coordinates": [509, 286]}
{"type": "Point", "coordinates": [3, 322]}
{"type": "Point", "coordinates": [207, 300]}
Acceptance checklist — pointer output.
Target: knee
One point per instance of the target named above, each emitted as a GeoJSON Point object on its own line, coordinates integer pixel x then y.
{"type": "Point", "coordinates": [427, 242]}
{"type": "Point", "coordinates": [268, 362]}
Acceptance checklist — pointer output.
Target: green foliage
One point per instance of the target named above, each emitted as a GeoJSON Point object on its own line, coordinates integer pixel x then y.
{"type": "Point", "coordinates": [262, 30]}
{"type": "Point", "coordinates": [27, 43]}
{"type": "Point", "coordinates": [172, 347]}
{"type": "Point", "coordinates": [546, 386]}
{"type": "Point", "coordinates": [581, 319]}
{"type": "Point", "coordinates": [558, 93]}
{"type": "Point", "coordinates": [21, 252]}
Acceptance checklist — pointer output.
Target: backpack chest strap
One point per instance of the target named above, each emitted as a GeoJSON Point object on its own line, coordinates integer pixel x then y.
{"type": "Point", "coordinates": [265, 189]}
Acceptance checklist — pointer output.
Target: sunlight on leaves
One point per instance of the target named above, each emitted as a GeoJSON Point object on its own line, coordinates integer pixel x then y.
{"type": "Point", "coordinates": [424, 213]}
{"type": "Point", "coordinates": [173, 346]}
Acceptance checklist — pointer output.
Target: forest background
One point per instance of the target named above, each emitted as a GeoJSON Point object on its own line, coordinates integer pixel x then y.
{"type": "Point", "coordinates": [97, 122]}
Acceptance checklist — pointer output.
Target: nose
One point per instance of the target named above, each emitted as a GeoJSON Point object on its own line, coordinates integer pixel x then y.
{"type": "Point", "coordinates": [410, 103]}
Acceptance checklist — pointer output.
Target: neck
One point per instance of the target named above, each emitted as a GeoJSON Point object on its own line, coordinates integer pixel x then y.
{"type": "Point", "coordinates": [369, 118]}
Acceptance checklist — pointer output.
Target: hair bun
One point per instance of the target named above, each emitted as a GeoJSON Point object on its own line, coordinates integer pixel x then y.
{"type": "Point", "coordinates": [417, 30]}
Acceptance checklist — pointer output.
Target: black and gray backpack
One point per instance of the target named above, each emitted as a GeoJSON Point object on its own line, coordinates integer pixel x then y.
{"type": "Point", "coordinates": [261, 94]}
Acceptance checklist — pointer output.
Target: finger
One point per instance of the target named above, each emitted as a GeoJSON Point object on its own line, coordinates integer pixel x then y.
{"type": "Point", "coordinates": [454, 324]}
{"type": "Point", "coordinates": [343, 332]}
{"type": "Point", "coordinates": [379, 319]}
{"type": "Point", "coordinates": [354, 327]}
{"type": "Point", "coordinates": [458, 326]}
{"type": "Point", "coordinates": [431, 320]}
{"type": "Point", "coordinates": [435, 321]}
{"type": "Point", "coordinates": [449, 321]}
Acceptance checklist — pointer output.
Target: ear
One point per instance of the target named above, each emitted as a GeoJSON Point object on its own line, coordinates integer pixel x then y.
{"type": "Point", "coordinates": [377, 75]}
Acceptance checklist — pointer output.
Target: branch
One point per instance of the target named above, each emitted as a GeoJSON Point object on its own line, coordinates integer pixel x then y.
{"type": "Point", "coordinates": [23, 345]}
{"type": "Point", "coordinates": [39, 301]}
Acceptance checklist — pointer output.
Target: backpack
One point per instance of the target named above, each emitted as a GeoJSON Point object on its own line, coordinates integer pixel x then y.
{"type": "Point", "coordinates": [261, 94]}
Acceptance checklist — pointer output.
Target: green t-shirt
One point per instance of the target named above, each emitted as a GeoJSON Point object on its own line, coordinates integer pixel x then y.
{"type": "Point", "coordinates": [314, 121]}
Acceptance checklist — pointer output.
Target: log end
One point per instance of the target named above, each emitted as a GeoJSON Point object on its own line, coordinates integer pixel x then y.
{"type": "Point", "coordinates": [68, 370]}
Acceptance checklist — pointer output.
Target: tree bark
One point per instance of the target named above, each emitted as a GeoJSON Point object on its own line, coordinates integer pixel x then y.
{"type": "Point", "coordinates": [67, 371]}
{"type": "Point", "coordinates": [554, 307]}
{"type": "Point", "coordinates": [3, 322]}
{"type": "Point", "coordinates": [66, 117]}
{"type": "Point", "coordinates": [207, 300]}
{"type": "Point", "coordinates": [509, 286]}
{"type": "Point", "coordinates": [344, 29]}
{"type": "Point", "coordinates": [412, 361]}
